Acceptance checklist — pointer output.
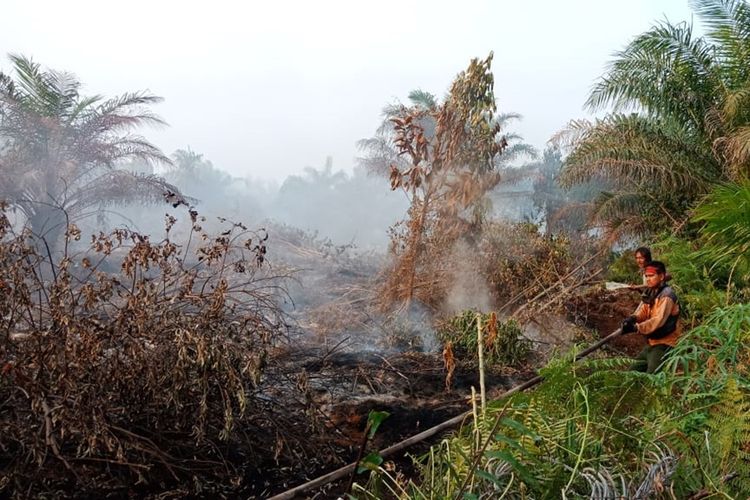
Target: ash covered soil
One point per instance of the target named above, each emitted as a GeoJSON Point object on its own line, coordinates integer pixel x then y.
{"type": "Point", "coordinates": [335, 391]}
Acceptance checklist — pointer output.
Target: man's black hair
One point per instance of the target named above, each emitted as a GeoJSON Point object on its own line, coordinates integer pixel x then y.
{"type": "Point", "coordinates": [645, 251]}
{"type": "Point", "coordinates": [658, 265]}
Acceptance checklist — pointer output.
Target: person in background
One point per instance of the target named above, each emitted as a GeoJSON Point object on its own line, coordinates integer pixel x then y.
{"type": "Point", "coordinates": [642, 257]}
{"type": "Point", "coordinates": [657, 318]}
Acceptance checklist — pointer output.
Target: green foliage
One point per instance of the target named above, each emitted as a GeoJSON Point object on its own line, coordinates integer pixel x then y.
{"type": "Point", "coordinates": [591, 429]}
{"type": "Point", "coordinates": [677, 124]}
{"type": "Point", "coordinates": [550, 442]}
{"type": "Point", "coordinates": [708, 355]}
{"type": "Point", "coordinates": [623, 268]}
{"type": "Point", "coordinates": [729, 437]}
{"type": "Point", "coordinates": [374, 419]}
{"type": "Point", "coordinates": [370, 462]}
{"type": "Point", "coordinates": [725, 214]}
{"type": "Point", "coordinates": [711, 269]}
{"type": "Point", "coordinates": [699, 284]}
{"type": "Point", "coordinates": [60, 150]}
{"type": "Point", "coordinates": [710, 370]}
{"type": "Point", "coordinates": [504, 342]}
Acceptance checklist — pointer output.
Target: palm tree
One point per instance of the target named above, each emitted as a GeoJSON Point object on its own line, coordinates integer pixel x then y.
{"type": "Point", "coordinates": [515, 149]}
{"type": "Point", "coordinates": [678, 122]}
{"type": "Point", "coordinates": [60, 151]}
{"type": "Point", "coordinates": [380, 150]}
{"type": "Point", "coordinates": [448, 164]}
{"type": "Point", "coordinates": [197, 176]}
{"type": "Point", "coordinates": [560, 210]}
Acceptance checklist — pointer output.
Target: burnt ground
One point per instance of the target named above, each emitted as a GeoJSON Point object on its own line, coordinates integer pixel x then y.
{"type": "Point", "coordinates": [342, 387]}
{"type": "Point", "coordinates": [337, 388]}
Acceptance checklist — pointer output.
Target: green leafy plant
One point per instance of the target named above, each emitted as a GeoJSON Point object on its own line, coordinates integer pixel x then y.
{"type": "Point", "coordinates": [60, 151]}
{"type": "Point", "coordinates": [700, 285]}
{"type": "Point", "coordinates": [373, 460]}
{"type": "Point", "coordinates": [623, 268]}
{"type": "Point", "coordinates": [553, 441]}
{"type": "Point", "coordinates": [708, 355]}
{"type": "Point", "coordinates": [593, 429]}
{"type": "Point", "coordinates": [504, 342]}
{"type": "Point", "coordinates": [677, 122]}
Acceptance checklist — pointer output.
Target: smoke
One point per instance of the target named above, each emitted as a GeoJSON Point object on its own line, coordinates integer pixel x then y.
{"type": "Point", "coordinates": [355, 209]}
{"type": "Point", "coordinates": [330, 230]}
{"type": "Point", "coordinates": [469, 289]}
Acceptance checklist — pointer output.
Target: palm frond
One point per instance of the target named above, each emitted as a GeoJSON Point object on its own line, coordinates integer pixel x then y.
{"type": "Point", "coordinates": [503, 119]}
{"type": "Point", "coordinates": [57, 143]}
{"type": "Point", "coordinates": [734, 109]}
{"type": "Point", "coordinates": [422, 99]}
{"type": "Point", "coordinates": [121, 187]}
{"type": "Point", "coordinates": [120, 114]}
{"type": "Point", "coordinates": [81, 107]}
{"type": "Point", "coordinates": [7, 88]}
{"type": "Point", "coordinates": [728, 23]}
{"type": "Point", "coordinates": [48, 93]}
{"type": "Point", "coordinates": [516, 150]}
{"type": "Point", "coordinates": [567, 138]}
{"type": "Point", "coordinates": [633, 149]}
{"type": "Point", "coordinates": [725, 215]}
{"type": "Point", "coordinates": [665, 71]}
{"type": "Point", "coordinates": [132, 146]}
{"type": "Point", "coordinates": [735, 148]}
{"type": "Point", "coordinates": [620, 214]}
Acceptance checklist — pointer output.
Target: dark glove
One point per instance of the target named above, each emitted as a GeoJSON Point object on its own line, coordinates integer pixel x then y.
{"type": "Point", "coordinates": [628, 325]}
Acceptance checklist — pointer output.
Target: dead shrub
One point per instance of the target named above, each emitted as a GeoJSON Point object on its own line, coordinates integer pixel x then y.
{"type": "Point", "coordinates": [141, 376]}
{"type": "Point", "coordinates": [519, 262]}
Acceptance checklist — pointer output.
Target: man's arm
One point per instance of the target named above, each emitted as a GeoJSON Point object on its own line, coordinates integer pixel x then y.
{"type": "Point", "coordinates": [641, 312]}
{"type": "Point", "coordinates": [662, 308]}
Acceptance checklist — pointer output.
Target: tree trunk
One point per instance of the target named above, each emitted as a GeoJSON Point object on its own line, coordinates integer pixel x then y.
{"type": "Point", "coordinates": [413, 251]}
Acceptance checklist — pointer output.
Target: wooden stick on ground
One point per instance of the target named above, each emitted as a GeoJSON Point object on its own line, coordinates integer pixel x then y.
{"type": "Point", "coordinates": [480, 351]}
{"type": "Point", "coordinates": [343, 471]}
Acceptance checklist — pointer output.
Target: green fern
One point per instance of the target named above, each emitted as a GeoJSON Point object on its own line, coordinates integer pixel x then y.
{"type": "Point", "coordinates": [725, 214]}
{"type": "Point", "coordinates": [729, 439]}
{"type": "Point", "coordinates": [708, 355]}
{"type": "Point", "coordinates": [594, 426]}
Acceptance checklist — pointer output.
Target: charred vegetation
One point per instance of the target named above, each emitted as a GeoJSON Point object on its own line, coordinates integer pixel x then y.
{"type": "Point", "coordinates": [147, 378]}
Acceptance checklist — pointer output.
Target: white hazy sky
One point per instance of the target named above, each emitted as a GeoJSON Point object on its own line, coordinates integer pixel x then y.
{"type": "Point", "coordinates": [264, 89]}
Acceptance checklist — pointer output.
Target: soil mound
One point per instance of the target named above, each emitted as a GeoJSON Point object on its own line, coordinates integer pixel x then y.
{"type": "Point", "coordinates": [603, 311]}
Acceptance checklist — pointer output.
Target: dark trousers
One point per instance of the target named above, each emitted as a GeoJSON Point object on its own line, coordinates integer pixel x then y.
{"type": "Point", "coordinates": [650, 358]}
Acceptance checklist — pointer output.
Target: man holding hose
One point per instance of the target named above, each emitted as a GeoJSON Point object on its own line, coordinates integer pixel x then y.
{"type": "Point", "coordinates": [657, 318]}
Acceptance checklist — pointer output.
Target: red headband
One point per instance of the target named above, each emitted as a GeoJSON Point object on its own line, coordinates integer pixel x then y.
{"type": "Point", "coordinates": [653, 269]}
